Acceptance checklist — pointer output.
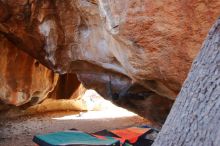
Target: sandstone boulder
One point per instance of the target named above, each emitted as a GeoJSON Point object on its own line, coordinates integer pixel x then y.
{"type": "Point", "coordinates": [22, 78]}
{"type": "Point", "coordinates": [119, 48]}
{"type": "Point", "coordinates": [151, 43]}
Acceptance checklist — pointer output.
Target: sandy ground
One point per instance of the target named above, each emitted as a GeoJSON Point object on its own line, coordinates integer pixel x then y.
{"type": "Point", "coordinates": [19, 131]}
{"type": "Point", "coordinates": [17, 127]}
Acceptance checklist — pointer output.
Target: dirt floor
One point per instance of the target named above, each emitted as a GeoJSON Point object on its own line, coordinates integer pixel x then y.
{"type": "Point", "coordinates": [19, 131]}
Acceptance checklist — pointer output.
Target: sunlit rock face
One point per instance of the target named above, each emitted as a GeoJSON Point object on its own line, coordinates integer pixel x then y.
{"type": "Point", "coordinates": [112, 46]}
{"type": "Point", "coordinates": [151, 42]}
{"type": "Point", "coordinates": [22, 79]}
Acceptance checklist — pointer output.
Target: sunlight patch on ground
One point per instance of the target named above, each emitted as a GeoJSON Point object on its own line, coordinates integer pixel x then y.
{"type": "Point", "coordinates": [98, 115]}
{"type": "Point", "coordinates": [98, 108]}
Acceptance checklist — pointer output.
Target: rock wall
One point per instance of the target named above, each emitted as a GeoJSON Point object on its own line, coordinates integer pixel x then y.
{"type": "Point", "coordinates": [67, 87]}
{"type": "Point", "coordinates": [22, 78]}
{"type": "Point", "coordinates": [112, 46]}
{"type": "Point", "coordinates": [151, 42]}
{"type": "Point", "coordinates": [25, 82]}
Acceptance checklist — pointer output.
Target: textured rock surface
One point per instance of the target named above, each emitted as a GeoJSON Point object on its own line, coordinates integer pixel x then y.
{"type": "Point", "coordinates": [67, 87]}
{"type": "Point", "coordinates": [23, 79]}
{"type": "Point", "coordinates": [198, 103]}
{"type": "Point", "coordinates": [112, 46]}
{"type": "Point", "coordinates": [151, 42]}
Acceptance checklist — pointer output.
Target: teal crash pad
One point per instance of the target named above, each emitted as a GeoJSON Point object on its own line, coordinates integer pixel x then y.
{"type": "Point", "coordinates": [73, 138]}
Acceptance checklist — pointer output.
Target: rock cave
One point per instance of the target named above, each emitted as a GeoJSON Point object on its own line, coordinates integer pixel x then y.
{"type": "Point", "coordinates": [106, 63]}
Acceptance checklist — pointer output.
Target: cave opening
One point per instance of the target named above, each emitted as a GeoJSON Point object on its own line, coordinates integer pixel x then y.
{"type": "Point", "coordinates": [70, 105]}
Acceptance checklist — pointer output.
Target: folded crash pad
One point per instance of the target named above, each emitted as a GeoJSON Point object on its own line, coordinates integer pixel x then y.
{"type": "Point", "coordinates": [130, 134]}
{"type": "Point", "coordinates": [134, 136]}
